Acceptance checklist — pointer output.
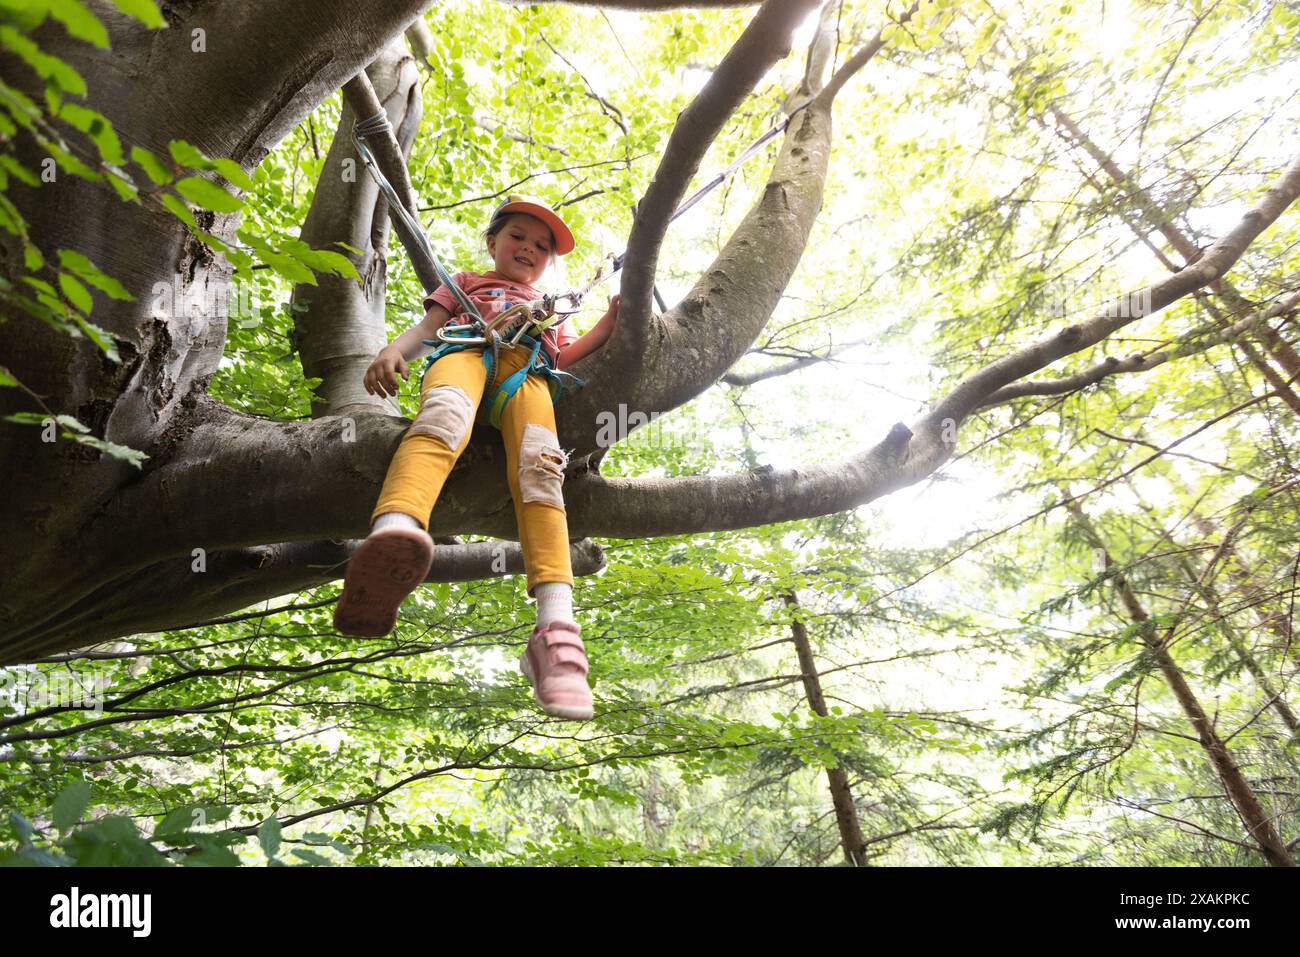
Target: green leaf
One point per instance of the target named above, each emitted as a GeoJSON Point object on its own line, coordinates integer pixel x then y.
{"type": "Point", "coordinates": [125, 189]}
{"type": "Point", "coordinates": [68, 422]}
{"type": "Point", "coordinates": [143, 10]}
{"type": "Point", "coordinates": [113, 840]}
{"type": "Point", "coordinates": [83, 267]}
{"type": "Point", "coordinates": [175, 823]}
{"type": "Point", "coordinates": [188, 155]}
{"type": "Point", "coordinates": [77, 293]}
{"type": "Point", "coordinates": [39, 284]}
{"type": "Point", "coordinates": [311, 857]}
{"type": "Point", "coordinates": [27, 14]}
{"type": "Point", "coordinates": [233, 172]}
{"type": "Point", "coordinates": [154, 168]}
{"type": "Point", "coordinates": [322, 260]}
{"type": "Point", "coordinates": [39, 857]}
{"type": "Point", "coordinates": [53, 98]}
{"type": "Point", "coordinates": [22, 107]}
{"type": "Point", "coordinates": [5, 377]}
{"type": "Point", "coordinates": [69, 162]}
{"type": "Point", "coordinates": [32, 257]}
{"type": "Point", "coordinates": [81, 23]}
{"type": "Point", "coordinates": [11, 219]}
{"type": "Point", "coordinates": [70, 804]}
{"type": "Point", "coordinates": [21, 826]}
{"type": "Point", "coordinates": [208, 195]}
{"type": "Point", "coordinates": [99, 337]}
{"type": "Point", "coordinates": [26, 418]}
{"type": "Point", "coordinates": [46, 66]}
{"type": "Point", "coordinates": [212, 854]}
{"type": "Point", "coordinates": [216, 242]}
{"type": "Point", "coordinates": [179, 210]}
{"type": "Point", "coordinates": [268, 835]}
{"type": "Point", "coordinates": [19, 170]}
{"type": "Point", "coordinates": [97, 126]}
{"type": "Point", "coordinates": [179, 822]}
{"type": "Point", "coordinates": [289, 268]}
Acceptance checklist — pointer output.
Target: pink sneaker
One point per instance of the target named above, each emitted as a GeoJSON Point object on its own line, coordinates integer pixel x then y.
{"type": "Point", "coordinates": [555, 664]}
{"type": "Point", "coordinates": [386, 567]}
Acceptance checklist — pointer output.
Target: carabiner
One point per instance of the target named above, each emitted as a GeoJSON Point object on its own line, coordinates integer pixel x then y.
{"type": "Point", "coordinates": [573, 300]}
{"type": "Point", "coordinates": [457, 333]}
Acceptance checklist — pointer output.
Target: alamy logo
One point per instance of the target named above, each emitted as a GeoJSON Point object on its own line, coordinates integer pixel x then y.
{"type": "Point", "coordinates": [102, 910]}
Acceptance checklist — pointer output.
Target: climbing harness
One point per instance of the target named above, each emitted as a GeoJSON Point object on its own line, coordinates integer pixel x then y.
{"type": "Point", "coordinates": [520, 325]}
{"type": "Point", "coordinates": [510, 329]}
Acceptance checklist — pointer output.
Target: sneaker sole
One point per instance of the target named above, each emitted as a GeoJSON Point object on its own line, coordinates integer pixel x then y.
{"type": "Point", "coordinates": [570, 712]}
{"type": "Point", "coordinates": [385, 568]}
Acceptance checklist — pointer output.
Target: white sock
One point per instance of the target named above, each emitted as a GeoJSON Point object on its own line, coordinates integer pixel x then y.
{"type": "Point", "coordinates": [554, 602]}
{"type": "Point", "coordinates": [394, 520]}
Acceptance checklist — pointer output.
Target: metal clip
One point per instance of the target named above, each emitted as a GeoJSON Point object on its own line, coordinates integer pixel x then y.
{"type": "Point", "coordinates": [572, 301]}
{"type": "Point", "coordinates": [456, 333]}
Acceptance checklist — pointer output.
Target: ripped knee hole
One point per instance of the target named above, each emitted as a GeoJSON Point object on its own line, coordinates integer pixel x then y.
{"type": "Point", "coordinates": [447, 413]}
{"type": "Point", "coordinates": [541, 466]}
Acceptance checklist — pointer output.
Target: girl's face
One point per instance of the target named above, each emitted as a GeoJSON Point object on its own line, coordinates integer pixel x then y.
{"type": "Point", "coordinates": [522, 248]}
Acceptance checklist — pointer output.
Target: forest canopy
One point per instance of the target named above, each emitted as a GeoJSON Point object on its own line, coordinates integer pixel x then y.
{"type": "Point", "coordinates": [962, 524]}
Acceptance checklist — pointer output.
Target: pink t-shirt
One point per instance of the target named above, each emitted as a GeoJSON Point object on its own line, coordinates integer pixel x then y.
{"type": "Point", "coordinates": [492, 294]}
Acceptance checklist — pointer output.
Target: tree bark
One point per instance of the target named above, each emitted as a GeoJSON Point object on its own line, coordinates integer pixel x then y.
{"type": "Point", "coordinates": [340, 324]}
{"type": "Point", "coordinates": [846, 811]}
{"type": "Point", "coordinates": [1252, 813]}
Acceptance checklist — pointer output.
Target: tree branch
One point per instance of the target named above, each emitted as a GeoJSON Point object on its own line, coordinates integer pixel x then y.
{"type": "Point", "coordinates": [339, 323]}
{"type": "Point", "coordinates": [1112, 365]}
{"type": "Point", "coordinates": [391, 160]}
{"type": "Point", "coordinates": [785, 368]}
{"type": "Point", "coordinates": [765, 41]}
{"type": "Point", "coordinates": [1218, 258]}
{"type": "Point", "coordinates": [172, 595]}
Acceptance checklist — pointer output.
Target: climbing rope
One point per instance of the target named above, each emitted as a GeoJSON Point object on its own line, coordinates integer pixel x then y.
{"type": "Point", "coordinates": [379, 124]}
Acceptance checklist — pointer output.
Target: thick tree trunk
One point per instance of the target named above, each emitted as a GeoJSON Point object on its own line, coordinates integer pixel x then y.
{"type": "Point", "coordinates": [342, 323]}
{"type": "Point", "coordinates": [235, 95]}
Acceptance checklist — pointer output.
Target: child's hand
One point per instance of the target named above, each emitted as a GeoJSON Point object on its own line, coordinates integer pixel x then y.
{"type": "Point", "coordinates": [381, 377]}
{"type": "Point", "coordinates": [611, 314]}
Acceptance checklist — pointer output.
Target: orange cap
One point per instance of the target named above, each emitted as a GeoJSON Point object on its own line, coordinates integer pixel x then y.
{"type": "Point", "coordinates": [517, 203]}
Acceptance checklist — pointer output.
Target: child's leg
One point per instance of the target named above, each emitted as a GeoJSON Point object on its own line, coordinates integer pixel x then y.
{"type": "Point", "coordinates": [449, 399]}
{"type": "Point", "coordinates": [555, 661]}
{"type": "Point", "coordinates": [395, 557]}
{"type": "Point", "coordinates": [535, 473]}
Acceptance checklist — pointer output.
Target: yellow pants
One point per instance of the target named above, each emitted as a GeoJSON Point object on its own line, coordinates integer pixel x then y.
{"type": "Point", "coordinates": [450, 395]}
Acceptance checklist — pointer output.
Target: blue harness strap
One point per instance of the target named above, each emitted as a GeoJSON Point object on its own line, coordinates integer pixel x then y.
{"type": "Point", "coordinates": [539, 361]}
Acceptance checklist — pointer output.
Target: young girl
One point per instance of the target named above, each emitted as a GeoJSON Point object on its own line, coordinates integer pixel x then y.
{"type": "Point", "coordinates": [522, 237]}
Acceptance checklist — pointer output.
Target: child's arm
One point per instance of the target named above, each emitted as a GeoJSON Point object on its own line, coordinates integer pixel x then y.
{"type": "Point", "coordinates": [585, 345]}
{"type": "Point", "coordinates": [381, 377]}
